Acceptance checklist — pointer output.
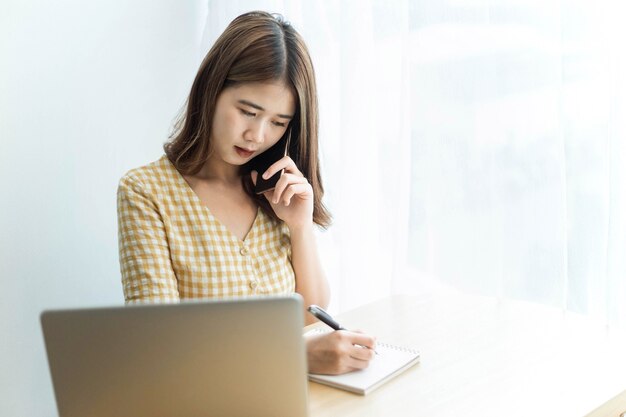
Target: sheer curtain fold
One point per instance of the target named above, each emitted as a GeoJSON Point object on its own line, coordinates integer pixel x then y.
{"type": "Point", "coordinates": [477, 144]}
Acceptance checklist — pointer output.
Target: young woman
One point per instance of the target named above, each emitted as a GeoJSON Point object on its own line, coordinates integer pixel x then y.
{"type": "Point", "coordinates": [190, 224]}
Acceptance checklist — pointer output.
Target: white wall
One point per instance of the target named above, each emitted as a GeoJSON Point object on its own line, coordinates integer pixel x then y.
{"type": "Point", "coordinates": [88, 90]}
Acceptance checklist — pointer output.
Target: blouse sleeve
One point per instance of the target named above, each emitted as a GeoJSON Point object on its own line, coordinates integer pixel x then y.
{"type": "Point", "coordinates": [145, 262]}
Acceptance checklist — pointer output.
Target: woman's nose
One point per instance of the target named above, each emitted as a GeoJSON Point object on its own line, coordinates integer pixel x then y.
{"type": "Point", "coordinates": [256, 132]}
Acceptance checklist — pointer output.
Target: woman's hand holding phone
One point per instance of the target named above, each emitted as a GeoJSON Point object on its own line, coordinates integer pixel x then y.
{"type": "Point", "coordinates": [292, 197]}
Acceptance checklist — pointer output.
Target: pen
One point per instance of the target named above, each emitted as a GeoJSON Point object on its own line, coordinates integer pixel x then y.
{"type": "Point", "coordinates": [323, 316]}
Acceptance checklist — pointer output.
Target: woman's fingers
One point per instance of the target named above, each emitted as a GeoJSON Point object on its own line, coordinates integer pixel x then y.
{"type": "Point", "coordinates": [359, 350]}
{"type": "Point", "coordinates": [363, 348]}
{"type": "Point", "coordinates": [285, 163]}
{"type": "Point", "coordinates": [292, 181]}
{"type": "Point", "coordinates": [289, 185]}
{"type": "Point", "coordinates": [362, 339]}
{"type": "Point", "coordinates": [361, 353]}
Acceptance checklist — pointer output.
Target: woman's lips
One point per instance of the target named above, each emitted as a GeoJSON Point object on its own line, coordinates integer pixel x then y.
{"type": "Point", "coordinates": [244, 153]}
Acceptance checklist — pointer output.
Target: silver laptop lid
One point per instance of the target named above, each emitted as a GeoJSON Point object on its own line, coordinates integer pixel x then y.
{"type": "Point", "coordinates": [217, 358]}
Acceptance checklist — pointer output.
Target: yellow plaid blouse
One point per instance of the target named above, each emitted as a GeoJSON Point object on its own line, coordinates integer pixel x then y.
{"type": "Point", "coordinates": [171, 247]}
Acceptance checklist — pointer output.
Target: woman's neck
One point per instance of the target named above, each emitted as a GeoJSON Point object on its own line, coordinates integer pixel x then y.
{"type": "Point", "coordinates": [219, 172]}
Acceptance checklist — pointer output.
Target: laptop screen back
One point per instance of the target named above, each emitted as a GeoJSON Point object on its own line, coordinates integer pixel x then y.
{"type": "Point", "coordinates": [221, 358]}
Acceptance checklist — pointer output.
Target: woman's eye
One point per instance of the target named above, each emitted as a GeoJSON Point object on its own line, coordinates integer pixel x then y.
{"type": "Point", "coordinates": [247, 113]}
{"type": "Point", "coordinates": [279, 124]}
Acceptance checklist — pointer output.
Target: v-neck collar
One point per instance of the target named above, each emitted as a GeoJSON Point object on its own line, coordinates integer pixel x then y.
{"type": "Point", "coordinates": [195, 199]}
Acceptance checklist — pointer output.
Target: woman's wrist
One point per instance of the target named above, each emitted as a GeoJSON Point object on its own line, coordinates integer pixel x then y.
{"type": "Point", "coordinates": [300, 229]}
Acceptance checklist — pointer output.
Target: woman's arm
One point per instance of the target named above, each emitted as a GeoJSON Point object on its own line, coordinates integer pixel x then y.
{"type": "Point", "coordinates": [147, 272]}
{"type": "Point", "coordinates": [311, 282]}
{"type": "Point", "coordinates": [292, 201]}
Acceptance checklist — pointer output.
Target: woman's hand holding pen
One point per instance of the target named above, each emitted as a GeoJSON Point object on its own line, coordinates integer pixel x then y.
{"type": "Point", "coordinates": [339, 352]}
{"type": "Point", "coordinates": [292, 198]}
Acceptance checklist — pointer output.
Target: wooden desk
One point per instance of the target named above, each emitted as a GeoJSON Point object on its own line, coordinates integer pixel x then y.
{"type": "Point", "coordinates": [486, 357]}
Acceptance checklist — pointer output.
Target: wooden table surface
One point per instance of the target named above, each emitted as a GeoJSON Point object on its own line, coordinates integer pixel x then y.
{"type": "Point", "coordinates": [485, 357]}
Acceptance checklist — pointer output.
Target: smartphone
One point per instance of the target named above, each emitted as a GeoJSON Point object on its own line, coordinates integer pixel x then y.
{"type": "Point", "coordinates": [262, 162]}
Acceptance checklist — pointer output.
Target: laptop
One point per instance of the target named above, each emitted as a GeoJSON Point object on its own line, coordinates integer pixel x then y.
{"type": "Point", "coordinates": [217, 358]}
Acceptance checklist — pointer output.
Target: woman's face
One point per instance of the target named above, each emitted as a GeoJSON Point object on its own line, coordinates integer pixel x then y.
{"type": "Point", "coordinates": [249, 118]}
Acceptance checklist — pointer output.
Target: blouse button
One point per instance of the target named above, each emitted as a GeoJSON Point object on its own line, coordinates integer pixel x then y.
{"type": "Point", "coordinates": [253, 284]}
{"type": "Point", "coordinates": [244, 250]}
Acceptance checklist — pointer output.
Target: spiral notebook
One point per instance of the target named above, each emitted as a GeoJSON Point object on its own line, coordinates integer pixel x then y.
{"type": "Point", "coordinates": [390, 361]}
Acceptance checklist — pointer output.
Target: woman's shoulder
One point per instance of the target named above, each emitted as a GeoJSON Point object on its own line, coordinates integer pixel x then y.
{"type": "Point", "coordinates": [156, 174]}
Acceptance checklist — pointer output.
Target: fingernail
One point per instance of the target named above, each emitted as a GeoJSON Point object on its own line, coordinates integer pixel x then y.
{"type": "Point", "coordinates": [266, 176]}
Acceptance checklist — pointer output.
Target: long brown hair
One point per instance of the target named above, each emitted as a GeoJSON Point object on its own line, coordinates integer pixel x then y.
{"type": "Point", "coordinates": [256, 46]}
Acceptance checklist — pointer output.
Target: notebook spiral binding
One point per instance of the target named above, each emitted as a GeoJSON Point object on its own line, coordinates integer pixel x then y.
{"type": "Point", "coordinates": [398, 348]}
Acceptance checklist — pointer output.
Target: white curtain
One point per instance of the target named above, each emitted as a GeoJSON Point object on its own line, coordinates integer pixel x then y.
{"type": "Point", "coordinates": [472, 144]}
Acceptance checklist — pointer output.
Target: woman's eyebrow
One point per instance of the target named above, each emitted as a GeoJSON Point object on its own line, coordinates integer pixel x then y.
{"type": "Point", "coordinates": [256, 106]}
